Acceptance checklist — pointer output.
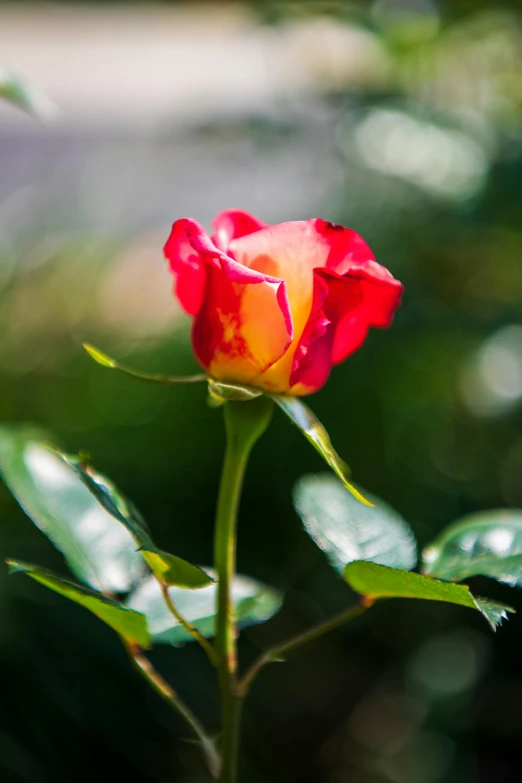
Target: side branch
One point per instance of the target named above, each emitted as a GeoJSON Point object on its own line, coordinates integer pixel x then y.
{"type": "Point", "coordinates": [280, 651]}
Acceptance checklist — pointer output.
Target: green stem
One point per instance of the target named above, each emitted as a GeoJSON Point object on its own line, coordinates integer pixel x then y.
{"type": "Point", "coordinates": [280, 651]}
{"type": "Point", "coordinates": [245, 423]}
{"type": "Point", "coordinates": [169, 695]}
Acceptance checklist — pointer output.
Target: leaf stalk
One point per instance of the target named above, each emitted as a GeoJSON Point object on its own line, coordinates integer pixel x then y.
{"type": "Point", "coordinates": [169, 695]}
{"type": "Point", "coordinates": [205, 644]}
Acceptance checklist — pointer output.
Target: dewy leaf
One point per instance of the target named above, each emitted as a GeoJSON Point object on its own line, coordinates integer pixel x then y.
{"type": "Point", "coordinates": [253, 603]}
{"type": "Point", "coordinates": [97, 547]}
{"type": "Point", "coordinates": [106, 361]}
{"type": "Point", "coordinates": [489, 544]}
{"type": "Point", "coordinates": [25, 97]}
{"type": "Point", "coordinates": [493, 612]}
{"type": "Point", "coordinates": [168, 568]}
{"type": "Point", "coordinates": [313, 430]}
{"type": "Point", "coordinates": [347, 530]}
{"type": "Point", "coordinates": [376, 581]}
{"type": "Point", "coordinates": [130, 624]}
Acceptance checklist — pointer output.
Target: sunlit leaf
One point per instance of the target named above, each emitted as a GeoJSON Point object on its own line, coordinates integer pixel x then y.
{"type": "Point", "coordinates": [97, 547]}
{"type": "Point", "coordinates": [26, 97]}
{"type": "Point", "coordinates": [130, 624]}
{"type": "Point", "coordinates": [253, 603]}
{"type": "Point", "coordinates": [489, 544]}
{"type": "Point", "coordinates": [303, 418]}
{"type": "Point", "coordinates": [347, 530]}
{"type": "Point", "coordinates": [106, 361]}
{"type": "Point", "coordinates": [169, 568]}
{"type": "Point", "coordinates": [376, 581]}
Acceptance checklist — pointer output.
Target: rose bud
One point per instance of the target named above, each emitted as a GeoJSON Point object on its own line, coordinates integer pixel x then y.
{"type": "Point", "coordinates": [275, 307]}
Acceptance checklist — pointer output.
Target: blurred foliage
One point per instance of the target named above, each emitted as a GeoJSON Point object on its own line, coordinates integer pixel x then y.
{"type": "Point", "coordinates": [20, 94]}
{"type": "Point", "coordinates": [415, 136]}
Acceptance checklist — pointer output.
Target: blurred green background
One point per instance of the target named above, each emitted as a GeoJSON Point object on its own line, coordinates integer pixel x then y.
{"type": "Point", "coordinates": [399, 118]}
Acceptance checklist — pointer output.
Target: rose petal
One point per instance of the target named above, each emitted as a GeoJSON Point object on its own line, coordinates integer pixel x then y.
{"type": "Point", "coordinates": [333, 297]}
{"type": "Point", "coordinates": [347, 247]}
{"type": "Point", "coordinates": [381, 296]}
{"type": "Point", "coordinates": [344, 308]}
{"type": "Point", "coordinates": [313, 356]}
{"type": "Point", "coordinates": [186, 265]}
{"type": "Point", "coordinates": [244, 323]}
{"type": "Point", "coordinates": [291, 251]}
{"type": "Point", "coordinates": [232, 224]}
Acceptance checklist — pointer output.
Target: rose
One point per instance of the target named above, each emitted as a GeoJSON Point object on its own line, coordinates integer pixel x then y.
{"type": "Point", "coordinates": [276, 306]}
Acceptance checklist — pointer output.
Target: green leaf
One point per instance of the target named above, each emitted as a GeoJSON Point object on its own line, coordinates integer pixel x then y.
{"type": "Point", "coordinates": [489, 544]}
{"type": "Point", "coordinates": [106, 361]}
{"type": "Point", "coordinates": [303, 418]}
{"type": "Point", "coordinates": [376, 581]}
{"type": "Point", "coordinates": [22, 95]}
{"type": "Point", "coordinates": [253, 603]}
{"type": "Point", "coordinates": [347, 530]}
{"type": "Point", "coordinates": [168, 568]}
{"type": "Point", "coordinates": [98, 548]}
{"type": "Point", "coordinates": [128, 623]}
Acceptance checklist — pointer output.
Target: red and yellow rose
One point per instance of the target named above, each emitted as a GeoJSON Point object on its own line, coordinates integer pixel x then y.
{"type": "Point", "coordinates": [276, 306]}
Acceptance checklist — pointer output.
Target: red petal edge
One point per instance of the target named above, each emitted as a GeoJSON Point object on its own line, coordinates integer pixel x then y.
{"type": "Point", "coordinates": [186, 266]}
{"type": "Point", "coordinates": [381, 296]}
{"type": "Point", "coordinates": [232, 224]}
{"type": "Point", "coordinates": [344, 308]}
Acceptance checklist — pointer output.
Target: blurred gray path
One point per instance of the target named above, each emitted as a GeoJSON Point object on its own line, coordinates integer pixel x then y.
{"type": "Point", "coordinates": [156, 105]}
